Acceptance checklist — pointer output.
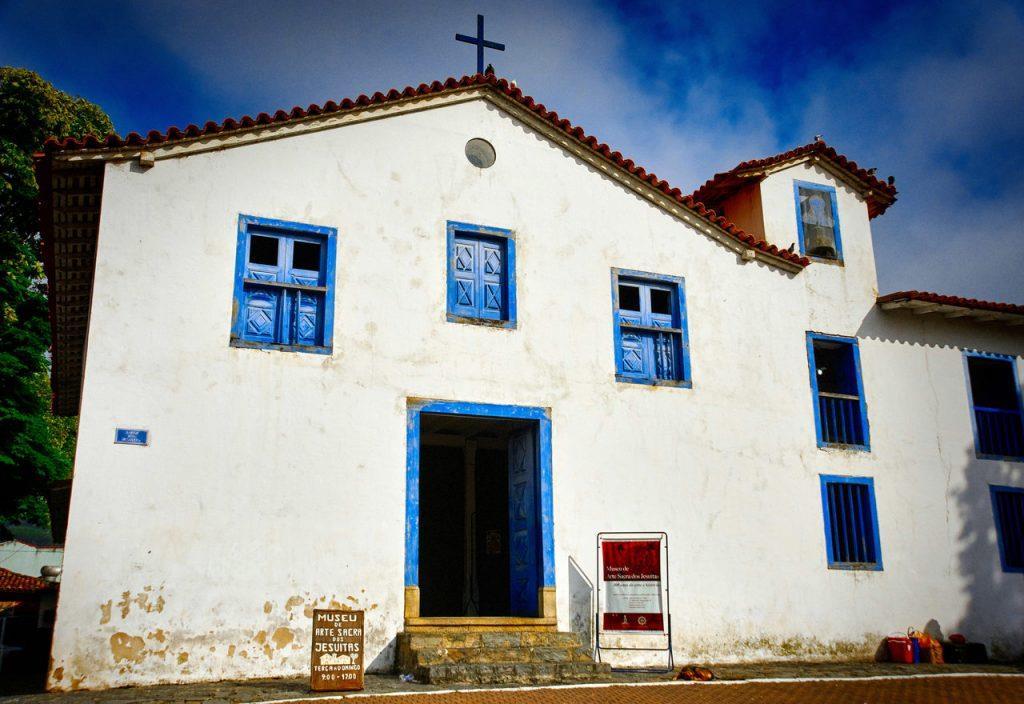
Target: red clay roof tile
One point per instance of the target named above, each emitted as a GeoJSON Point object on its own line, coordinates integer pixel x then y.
{"type": "Point", "coordinates": [14, 582]}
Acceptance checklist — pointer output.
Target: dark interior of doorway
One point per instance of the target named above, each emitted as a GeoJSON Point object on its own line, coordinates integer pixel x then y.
{"type": "Point", "coordinates": [464, 563]}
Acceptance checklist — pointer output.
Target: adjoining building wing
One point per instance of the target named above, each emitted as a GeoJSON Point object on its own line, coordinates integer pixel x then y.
{"type": "Point", "coordinates": [878, 194]}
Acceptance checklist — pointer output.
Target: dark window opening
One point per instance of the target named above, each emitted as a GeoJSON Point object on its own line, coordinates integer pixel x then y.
{"type": "Point", "coordinates": [835, 367]}
{"type": "Point", "coordinates": [841, 416]}
{"type": "Point", "coordinates": [306, 255]}
{"type": "Point", "coordinates": [997, 411]}
{"type": "Point", "coordinates": [263, 250]}
{"type": "Point", "coordinates": [629, 297]}
{"type": "Point", "coordinates": [661, 301]}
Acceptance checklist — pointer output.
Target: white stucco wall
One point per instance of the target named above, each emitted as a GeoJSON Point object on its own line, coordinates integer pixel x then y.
{"type": "Point", "coordinates": [275, 482]}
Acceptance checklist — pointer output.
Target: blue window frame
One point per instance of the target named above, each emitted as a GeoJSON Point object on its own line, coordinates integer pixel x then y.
{"type": "Point", "coordinates": [995, 398]}
{"type": "Point", "coordinates": [1008, 511]}
{"type": "Point", "coordinates": [817, 220]}
{"type": "Point", "coordinates": [284, 286]}
{"type": "Point", "coordinates": [481, 275]}
{"type": "Point", "coordinates": [840, 411]}
{"type": "Point", "coordinates": [852, 540]}
{"type": "Point", "coordinates": [649, 320]}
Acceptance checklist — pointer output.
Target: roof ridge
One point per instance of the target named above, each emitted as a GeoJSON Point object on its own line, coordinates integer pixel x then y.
{"type": "Point", "coordinates": [501, 85]}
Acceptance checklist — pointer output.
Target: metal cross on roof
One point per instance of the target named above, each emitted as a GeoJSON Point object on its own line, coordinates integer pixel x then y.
{"type": "Point", "coordinates": [480, 42]}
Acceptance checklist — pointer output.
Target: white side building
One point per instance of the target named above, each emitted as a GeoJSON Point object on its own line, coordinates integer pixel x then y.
{"type": "Point", "coordinates": [375, 373]}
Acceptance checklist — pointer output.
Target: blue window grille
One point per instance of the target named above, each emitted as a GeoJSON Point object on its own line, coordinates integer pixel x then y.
{"type": "Point", "coordinates": [817, 218]}
{"type": "Point", "coordinates": [481, 275]}
{"type": "Point", "coordinates": [284, 285]}
{"type": "Point", "coordinates": [651, 342]}
{"type": "Point", "coordinates": [996, 405]}
{"type": "Point", "coordinates": [1008, 510]}
{"type": "Point", "coordinates": [840, 412]}
{"type": "Point", "coordinates": [851, 523]}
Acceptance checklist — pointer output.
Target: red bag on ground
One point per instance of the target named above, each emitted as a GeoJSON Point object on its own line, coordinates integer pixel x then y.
{"type": "Point", "coordinates": [901, 649]}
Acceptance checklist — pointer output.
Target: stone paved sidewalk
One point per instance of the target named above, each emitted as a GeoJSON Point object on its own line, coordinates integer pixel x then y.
{"type": "Point", "coordinates": [276, 689]}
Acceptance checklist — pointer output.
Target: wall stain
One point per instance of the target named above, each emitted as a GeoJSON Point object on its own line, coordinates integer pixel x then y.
{"type": "Point", "coordinates": [267, 607]}
{"type": "Point", "coordinates": [231, 650]}
{"type": "Point", "coordinates": [282, 637]}
{"type": "Point", "coordinates": [182, 658]}
{"type": "Point", "coordinates": [141, 601]}
{"type": "Point", "coordinates": [293, 602]}
{"type": "Point", "coordinates": [157, 635]}
{"type": "Point", "coordinates": [127, 648]}
{"type": "Point", "coordinates": [105, 611]}
{"type": "Point", "coordinates": [58, 674]}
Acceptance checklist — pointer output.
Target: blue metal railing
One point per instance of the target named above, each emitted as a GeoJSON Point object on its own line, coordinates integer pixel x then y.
{"type": "Point", "coordinates": [1000, 431]}
{"type": "Point", "coordinates": [841, 419]}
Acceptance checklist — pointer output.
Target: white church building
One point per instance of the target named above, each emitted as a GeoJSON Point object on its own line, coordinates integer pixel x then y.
{"type": "Point", "coordinates": [411, 353]}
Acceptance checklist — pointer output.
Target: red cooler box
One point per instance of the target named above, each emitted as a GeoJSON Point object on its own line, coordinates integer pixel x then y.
{"type": "Point", "coordinates": [901, 649]}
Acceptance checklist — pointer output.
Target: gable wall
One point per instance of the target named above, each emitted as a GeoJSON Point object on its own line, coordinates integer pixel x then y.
{"type": "Point", "coordinates": [275, 482]}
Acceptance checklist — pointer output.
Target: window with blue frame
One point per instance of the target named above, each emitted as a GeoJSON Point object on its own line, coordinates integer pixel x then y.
{"type": "Point", "coordinates": [817, 217]}
{"type": "Point", "coordinates": [851, 523]}
{"type": "Point", "coordinates": [651, 345]}
{"type": "Point", "coordinates": [481, 275]}
{"type": "Point", "coordinates": [284, 285]}
{"type": "Point", "coordinates": [1008, 510]}
{"type": "Point", "coordinates": [996, 403]}
{"type": "Point", "coordinates": [840, 412]}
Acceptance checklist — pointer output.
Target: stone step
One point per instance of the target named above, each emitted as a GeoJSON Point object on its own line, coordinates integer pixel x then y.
{"type": "Point", "coordinates": [512, 672]}
{"type": "Point", "coordinates": [491, 639]}
{"type": "Point", "coordinates": [483, 655]}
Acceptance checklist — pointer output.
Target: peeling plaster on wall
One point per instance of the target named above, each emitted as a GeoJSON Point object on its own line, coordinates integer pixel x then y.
{"type": "Point", "coordinates": [247, 435]}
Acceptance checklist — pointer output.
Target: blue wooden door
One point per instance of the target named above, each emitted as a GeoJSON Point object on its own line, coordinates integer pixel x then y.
{"type": "Point", "coordinates": [523, 528]}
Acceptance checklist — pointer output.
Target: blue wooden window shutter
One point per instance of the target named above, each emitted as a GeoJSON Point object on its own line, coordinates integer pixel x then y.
{"type": "Point", "coordinates": [840, 411]}
{"type": "Point", "coordinates": [1008, 510]}
{"type": "Point", "coordinates": [481, 275]}
{"type": "Point", "coordinates": [650, 328]}
{"type": "Point", "coordinates": [852, 539]}
{"type": "Point", "coordinates": [996, 406]}
{"type": "Point", "coordinates": [284, 285]}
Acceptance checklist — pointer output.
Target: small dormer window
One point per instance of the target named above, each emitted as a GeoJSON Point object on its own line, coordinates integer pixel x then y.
{"type": "Point", "coordinates": [817, 219]}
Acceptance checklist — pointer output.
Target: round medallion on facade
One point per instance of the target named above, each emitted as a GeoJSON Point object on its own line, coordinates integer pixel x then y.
{"type": "Point", "coordinates": [480, 153]}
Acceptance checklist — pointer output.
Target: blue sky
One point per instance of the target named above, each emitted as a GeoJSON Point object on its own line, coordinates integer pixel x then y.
{"type": "Point", "coordinates": [931, 92]}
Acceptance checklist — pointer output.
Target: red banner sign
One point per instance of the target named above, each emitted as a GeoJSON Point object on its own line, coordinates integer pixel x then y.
{"type": "Point", "coordinates": [632, 585]}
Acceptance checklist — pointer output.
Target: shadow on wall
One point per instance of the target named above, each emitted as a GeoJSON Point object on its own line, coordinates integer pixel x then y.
{"type": "Point", "coordinates": [993, 608]}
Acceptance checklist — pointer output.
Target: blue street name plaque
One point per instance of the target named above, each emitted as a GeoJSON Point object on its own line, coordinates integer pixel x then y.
{"type": "Point", "coordinates": [131, 436]}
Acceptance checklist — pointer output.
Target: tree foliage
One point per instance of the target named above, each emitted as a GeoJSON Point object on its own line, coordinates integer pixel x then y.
{"type": "Point", "coordinates": [35, 447]}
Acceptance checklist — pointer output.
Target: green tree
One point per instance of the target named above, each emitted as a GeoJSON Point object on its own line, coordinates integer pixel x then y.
{"type": "Point", "coordinates": [35, 447]}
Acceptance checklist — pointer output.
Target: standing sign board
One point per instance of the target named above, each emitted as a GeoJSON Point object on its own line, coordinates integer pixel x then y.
{"type": "Point", "coordinates": [336, 662]}
{"type": "Point", "coordinates": [632, 592]}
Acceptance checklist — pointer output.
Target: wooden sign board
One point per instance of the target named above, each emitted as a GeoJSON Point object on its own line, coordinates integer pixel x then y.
{"type": "Point", "coordinates": [336, 662]}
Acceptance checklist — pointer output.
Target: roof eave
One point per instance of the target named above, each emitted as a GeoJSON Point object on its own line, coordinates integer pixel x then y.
{"type": "Point", "coordinates": [951, 311]}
